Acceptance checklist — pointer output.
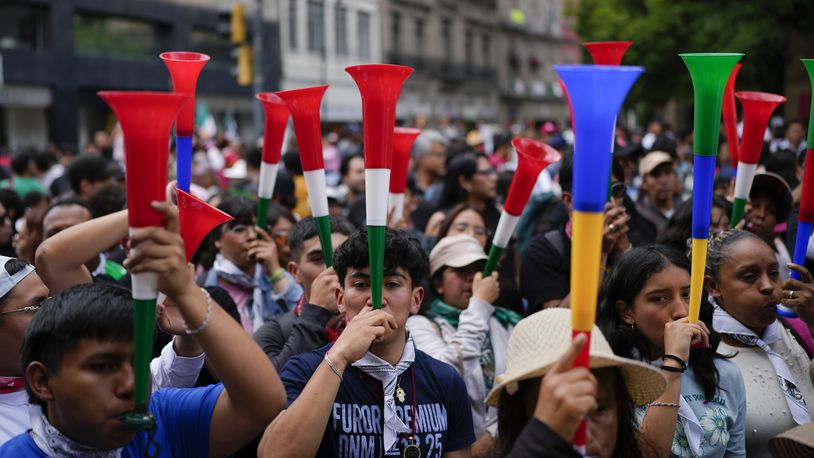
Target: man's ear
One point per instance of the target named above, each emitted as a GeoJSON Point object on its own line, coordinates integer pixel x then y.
{"type": "Point", "coordinates": [567, 199]}
{"type": "Point", "coordinates": [85, 186]}
{"type": "Point", "coordinates": [340, 299]}
{"type": "Point", "coordinates": [418, 298]}
{"type": "Point", "coordinates": [38, 379]}
{"type": "Point", "coordinates": [625, 311]}
{"type": "Point", "coordinates": [294, 269]}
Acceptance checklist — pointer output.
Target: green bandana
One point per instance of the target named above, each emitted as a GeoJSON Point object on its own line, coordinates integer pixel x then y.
{"type": "Point", "coordinates": [452, 314]}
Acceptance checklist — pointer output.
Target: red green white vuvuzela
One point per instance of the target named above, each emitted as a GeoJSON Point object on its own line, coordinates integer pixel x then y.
{"type": "Point", "coordinates": [403, 138]}
{"type": "Point", "coordinates": [276, 120]}
{"type": "Point", "coordinates": [304, 107]}
{"type": "Point", "coordinates": [380, 87]}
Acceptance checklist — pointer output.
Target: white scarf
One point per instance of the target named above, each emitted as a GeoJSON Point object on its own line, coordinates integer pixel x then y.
{"type": "Point", "coordinates": [387, 374]}
{"type": "Point", "coordinates": [54, 443]}
{"type": "Point", "coordinates": [725, 324]}
{"type": "Point", "coordinates": [227, 270]}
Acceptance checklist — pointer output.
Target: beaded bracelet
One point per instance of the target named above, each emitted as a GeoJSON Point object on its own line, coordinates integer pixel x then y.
{"type": "Point", "coordinates": [663, 404]}
{"type": "Point", "coordinates": [205, 323]}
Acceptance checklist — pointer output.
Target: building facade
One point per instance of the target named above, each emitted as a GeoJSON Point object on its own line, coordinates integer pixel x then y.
{"type": "Point", "coordinates": [56, 54]}
{"type": "Point", "coordinates": [318, 39]}
{"type": "Point", "coordinates": [534, 36]}
{"type": "Point", "coordinates": [452, 46]}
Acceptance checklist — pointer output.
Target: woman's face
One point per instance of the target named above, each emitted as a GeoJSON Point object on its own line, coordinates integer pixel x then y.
{"type": "Point", "coordinates": [719, 220]}
{"type": "Point", "coordinates": [748, 284]}
{"type": "Point", "coordinates": [279, 233]}
{"type": "Point", "coordinates": [483, 184]}
{"type": "Point", "coordinates": [455, 287]}
{"type": "Point", "coordinates": [471, 223]}
{"type": "Point", "coordinates": [762, 216]}
{"type": "Point", "coordinates": [664, 298]}
{"type": "Point", "coordinates": [602, 424]}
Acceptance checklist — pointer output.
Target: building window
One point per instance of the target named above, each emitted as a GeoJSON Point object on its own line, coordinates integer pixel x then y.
{"type": "Point", "coordinates": [486, 48]}
{"type": "Point", "coordinates": [106, 36]}
{"type": "Point", "coordinates": [395, 32]}
{"type": "Point", "coordinates": [469, 48]}
{"type": "Point", "coordinates": [363, 34]}
{"type": "Point", "coordinates": [341, 19]}
{"type": "Point", "coordinates": [316, 25]}
{"type": "Point", "coordinates": [419, 37]}
{"type": "Point", "coordinates": [23, 26]}
{"type": "Point", "coordinates": [446, 38]}
{"type": "Point", "coordinates": [292, 24]}
{"type": "Point", "coordinates": [214, 45]}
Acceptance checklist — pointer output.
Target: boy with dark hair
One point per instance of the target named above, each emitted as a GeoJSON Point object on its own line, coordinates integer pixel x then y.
{"type": "Point", "coordinates": [77, 358]}
{"type": "Point", "coordinates": [315, 320]}
{"type": "Point", "coordinates": [372, 393]}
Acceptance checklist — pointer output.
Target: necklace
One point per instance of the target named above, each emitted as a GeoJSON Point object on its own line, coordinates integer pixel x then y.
{"type": "Point", "coordinates": [411, 450]}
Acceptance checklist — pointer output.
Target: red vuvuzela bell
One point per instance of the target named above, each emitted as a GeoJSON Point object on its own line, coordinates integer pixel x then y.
{"type": "Point", "coordinates": [197, 219]}
{"type": "Point", "coordinates": [403, 138]}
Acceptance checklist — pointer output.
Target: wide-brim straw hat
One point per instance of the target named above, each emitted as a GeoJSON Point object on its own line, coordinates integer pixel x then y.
{"type": "Point", "coordinates": [797, 442]}
{"type": "Point", "coordinates": [539, 340]}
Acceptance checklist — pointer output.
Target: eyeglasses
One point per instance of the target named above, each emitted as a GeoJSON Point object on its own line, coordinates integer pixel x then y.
{"type": "Point", "coordinates": [30, 308]}
{"type": "Point", "coordinates": [477, 230]}
{"type": "Point", "coordinates": [239, 229]}
{"type": "Point", "coordinates": [486, 172]}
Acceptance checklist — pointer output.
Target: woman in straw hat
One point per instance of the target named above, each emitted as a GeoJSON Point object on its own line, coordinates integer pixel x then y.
{"type": "Point", "coordinates": [541, 399]}
{"type": "Point", "coordinates": [644, 316]}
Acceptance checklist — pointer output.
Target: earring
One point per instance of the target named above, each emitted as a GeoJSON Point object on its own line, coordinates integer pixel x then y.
{"type": "Point", "coordinates": [632, 326]}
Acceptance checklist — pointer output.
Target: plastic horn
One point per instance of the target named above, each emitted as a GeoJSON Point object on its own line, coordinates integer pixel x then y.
{"type": "Point", "coordinates": [184, 69]}
{"type": "Point", "coordinates": [146, 119]}
{"type": "Point", "coordinates": [757, 108]}
{"type": "Point", "coordinates": [730, 113]}
{"type": "Point", "coordinates": [403, 138]}
{"type": "Point", "coordinates": [806, 213]}
{"type": "Point", "coordinates": [380, 87]}
{"type": "Point", "coordinates": [597, 93]}
{"type": "Point", "coordinates": [709, 73]}
{"type": "Point", "coordinates": [532, 157]}
{"type": "Point", "coordinates": [197, 219]}
{"type": "Point", "coordinates": [568, 101]}
{"type": "Point", "coordinates": [607, 52]}
{"type": "Point", "coordinates": [304, 107]}
{"type": "Point", "coordinates": [276, 120]}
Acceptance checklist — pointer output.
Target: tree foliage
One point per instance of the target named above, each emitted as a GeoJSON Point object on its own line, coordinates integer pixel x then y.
{"type": "Point", "coordinates": [661, 29]}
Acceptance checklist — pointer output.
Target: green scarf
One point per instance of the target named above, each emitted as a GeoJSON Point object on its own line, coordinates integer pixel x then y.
{"type": "Point", "coordinates": [452, 314]}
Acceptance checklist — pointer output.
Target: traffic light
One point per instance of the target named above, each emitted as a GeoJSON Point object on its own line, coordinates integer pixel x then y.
{"type": "Point", "coordinates": [245, 66]}
{"type": "Point", "coordinates": [238, 23]}
{"type": "Point", "coordinates": [232, 25]}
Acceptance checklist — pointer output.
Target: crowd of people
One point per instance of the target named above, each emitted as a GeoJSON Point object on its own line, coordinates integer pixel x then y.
{"type": "Point", "coordinates": [262, 350]}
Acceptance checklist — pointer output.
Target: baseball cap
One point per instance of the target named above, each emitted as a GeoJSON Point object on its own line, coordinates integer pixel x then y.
{"type": "Point", "coordinates": [652, 160]}
{"type": "Point", "coordinates": [455, 251]}
{"type": "Point", "coordinates": [775, 185]}
{"type": "Point", "coordinates": [8, 281]}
